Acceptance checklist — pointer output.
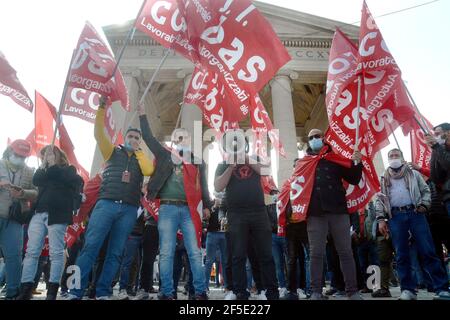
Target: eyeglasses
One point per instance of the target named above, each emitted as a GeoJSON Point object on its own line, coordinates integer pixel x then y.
{"type": "Point", "coordinates": [316, 136]}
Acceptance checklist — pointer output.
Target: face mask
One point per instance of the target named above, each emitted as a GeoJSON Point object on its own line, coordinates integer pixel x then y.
{"type": "Point", "coordinates": [316, 144]}
{"type": "Point", "coordinates": [128, 147]}
{"type": "Point", "coordinates": [395, 163]}
{"type": "Point", "coordinates": [16, 161]}
{"type": "Point", "coordinates": [183, 149]}
{"type": "Point", "coordinates": [441, 141]}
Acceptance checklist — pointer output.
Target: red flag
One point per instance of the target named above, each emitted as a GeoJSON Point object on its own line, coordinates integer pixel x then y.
{"type": "Point", "coordinates": [261, 125]}
{"type": "Point", "coordinates": [208, 93]}
{"type": "Point", "coordinates": [92, 68]}
{"type": "Point", "coordinates": [420, 151]}
{"type": "Point", "coordinates": [44, 123]}
{"type": "Point", "coordinates": [382, 76]}
{"type": "Point", "coordinates": [81, 103]}
{"type": "Point", "coordinates": [44, 130]}
{"type": "Point", "coordinates": [232, 40]}
{"type": "Point", "coordinates": [10, 85]}
{"type": "Point", "coordinates": [163, 21]}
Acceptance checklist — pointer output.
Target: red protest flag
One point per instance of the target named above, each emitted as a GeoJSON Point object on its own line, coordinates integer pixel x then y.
{"type": "Point", "coordinates": [81, 103]}
{"type": "Point", "coordinates": [93, 66]}
{"type": "Point", "coordinates": [10, 85]}
{"type": "Point", "coordinates": [163, 21]}
{"type": "Point", "coordinates": [45, 115]}
{"type": "Point", "coordinates": [208, 93]}
{"type": "Point", "coordinates": [382, 76]}
{"type": "Point", "coordinates": [261, 124]}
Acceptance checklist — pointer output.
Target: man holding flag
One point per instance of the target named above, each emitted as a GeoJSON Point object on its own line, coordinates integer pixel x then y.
{"type": "Point", "coordinates": [317, 175]}
{"type": "Point", "coordinates": [116, 210]}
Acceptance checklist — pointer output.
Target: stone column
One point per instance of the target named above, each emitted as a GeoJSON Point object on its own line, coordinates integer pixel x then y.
{"type": "Point", "coordinates": [284, 121]}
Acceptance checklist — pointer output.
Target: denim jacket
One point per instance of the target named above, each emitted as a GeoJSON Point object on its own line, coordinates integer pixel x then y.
{"type": "Point", "coordinates": [165, 166]}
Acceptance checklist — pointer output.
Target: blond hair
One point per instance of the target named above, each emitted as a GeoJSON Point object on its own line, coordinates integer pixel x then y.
{"type": "Point", "coordinates": [63, 161]}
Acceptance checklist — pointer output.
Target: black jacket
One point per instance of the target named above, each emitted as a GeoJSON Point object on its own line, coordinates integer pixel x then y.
{"type": "Point", "coordinates": [112, 187]}
{"type": "Point", "coordinates": [440, 169]}
{"type": "Point", "coordinates": [58, 190]}
{"type": "Point", "coordinates": [328, 195]}
{"type": "Point", "coordinates": [164, 166]}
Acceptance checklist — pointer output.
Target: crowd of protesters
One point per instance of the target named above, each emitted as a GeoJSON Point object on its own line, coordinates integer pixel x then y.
{"type": "Point", "coordinates": [234, 238]}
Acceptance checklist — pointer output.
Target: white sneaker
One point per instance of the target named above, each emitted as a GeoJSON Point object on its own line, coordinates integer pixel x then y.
{"type": "Point", "coordinates": [230, 296]}
{"type": "Point", "coordinates": [283, 293]}
{"type": "Point", "coordinates": [261, 296]}
{"type": "Point", "coordinates": [107, 298]}
{"type": "Point", "coordinates": [70, 297]}
{"type": "Point", "coordinates": [142, 295]}
{"type": "Point", "coordinates": [407, 295]}
{"type": "Point", "coordinates": [301, 294]}
{"type": "Point", "coordinates": [355, 296]}
{"type": "Point", "coordinates": [123, 295]}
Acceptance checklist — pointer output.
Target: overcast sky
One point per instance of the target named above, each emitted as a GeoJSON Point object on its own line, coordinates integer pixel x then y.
{"type": "Point", "coordinates": [38, 38]}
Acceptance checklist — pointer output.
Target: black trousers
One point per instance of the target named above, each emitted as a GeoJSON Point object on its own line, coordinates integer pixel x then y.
{"type": "Point", "coordinates": [297, 243]}
{"type": "Point", "coordinates": [150, 245]}
{"type": "Point", "coordinates": [254, 226]}
{"type": "Point", "coordinates": [229, 265]}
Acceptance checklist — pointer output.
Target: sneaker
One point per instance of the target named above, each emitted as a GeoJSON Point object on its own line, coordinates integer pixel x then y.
{"type": "Point", "coordinates": [283, 293]}
{"type": "Point", "coordinates": [340, 294]}
{"type": "Point", "coordinates": [164, 297]}
{"type": "Point", "coordinates": [318, 296]}
{"type": "Point", "coordinates": [107, 298]}
{"type": "Point", "coordinates": [407, 295]}
{"type": "Point", "coordinates": [290, 296]}
{"type": "Point", "coordinates": [36, 292]}
{"type": "Point", "coordinates": [382, 293]}
{"type": "Point", "coordinates": [365, 290]}
{"type": "Point", "coordinates": [142, 295]}
{"type": "Point", "coordinates": [355, 296]}
{"type": "Point", "coordinates": [442, 295]}
{"type": "Point", "coordinates": [230, 296]}
{"type": "Point", "coordinates": [330, 292]}
{"type": "Point", "coordinates": [70, 297]}
{"type": "Point", "coordinates": [123, 295]}
{"type": "Point", "coordinates": [302, 294]}
{"type": "Point", "coordinates": [201, 297]}
{"type": "Point", "coordinates": [261, 295]}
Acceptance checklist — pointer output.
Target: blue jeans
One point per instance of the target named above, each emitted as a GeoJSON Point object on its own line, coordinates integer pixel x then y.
{"type": "Point", "coordinates": [37, 231]}
{"type": "Point", "coordinates": [118, 220]}
{"type": "Point", "coordinates": [171, 219]}
{"type": "Point", "coordinates": [279, 251]}
{"type": "Point", "coordinates": [447, 205]}
{"type": "Point", "coordinates": [131, 249]}
{"type": "Point", "coordinates": [400, 225]}
{"type": "Point", "coordinates": [11, 243]}
{"type": "Point", "coordinates": [214, 241]}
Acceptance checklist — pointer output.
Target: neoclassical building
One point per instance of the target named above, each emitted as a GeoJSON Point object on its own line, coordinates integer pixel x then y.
{"type": "Point", "coordinates": [294, 99]}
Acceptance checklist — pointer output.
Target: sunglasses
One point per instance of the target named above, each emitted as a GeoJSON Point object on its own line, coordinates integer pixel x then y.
{"type": "Point", "coordinates": [316, 136]}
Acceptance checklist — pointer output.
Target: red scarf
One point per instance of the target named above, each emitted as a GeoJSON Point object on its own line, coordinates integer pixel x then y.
{"type": "Point", "coordinates": [299, 187]}
{"type": "Point", "coordinates": [193, 190]}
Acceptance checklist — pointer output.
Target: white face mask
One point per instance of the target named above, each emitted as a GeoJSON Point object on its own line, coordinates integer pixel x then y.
{"type": "Point", "coordinates": [16, 161]}
{"type": "Point", "coordinates": [395, 163]}
{"type": "Point", "coordinates": [440, 141]}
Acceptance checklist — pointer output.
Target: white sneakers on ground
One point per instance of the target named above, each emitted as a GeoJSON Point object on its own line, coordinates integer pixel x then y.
{"type": "Point", "coordinates": [123, 295]}
{"type": "Point", "coordinates": [230, 296]}
{"type": "Point", "coordinates": [261, 295]}
{"type": "Point", "coordinates": [283, 293]}
{"type": "Point", "coordinates": [142, 295]}
{"type": "Point", "coordinates": [408, 295]}
{"type": "Point", "coordinates": [302, 294]}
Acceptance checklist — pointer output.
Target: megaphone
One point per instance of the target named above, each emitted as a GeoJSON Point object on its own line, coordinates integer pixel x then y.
{"type": "Point", "coordinates": [235, 142]}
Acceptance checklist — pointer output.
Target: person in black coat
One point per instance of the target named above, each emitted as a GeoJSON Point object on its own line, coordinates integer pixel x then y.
{"type": "Point", "coordinates": [59, 186]}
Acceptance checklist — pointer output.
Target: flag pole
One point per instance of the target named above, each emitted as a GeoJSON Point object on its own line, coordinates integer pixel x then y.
{"type": "Point", "coordinates": [63, 98]}
{"type": "Point", "coordinates": [129, 37]}
{"type": "Point", "coordinates": [152, 80]}
{"type": "Point", "coordinates": [358, 117]}
{"type": "Point", "coordinates": [424, 128]}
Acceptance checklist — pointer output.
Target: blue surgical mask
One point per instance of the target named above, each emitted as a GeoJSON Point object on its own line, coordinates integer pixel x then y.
{"type": "Point", "coordinates": [316, 144]}
{"type": "Point", "coordinates": [128, 147]}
